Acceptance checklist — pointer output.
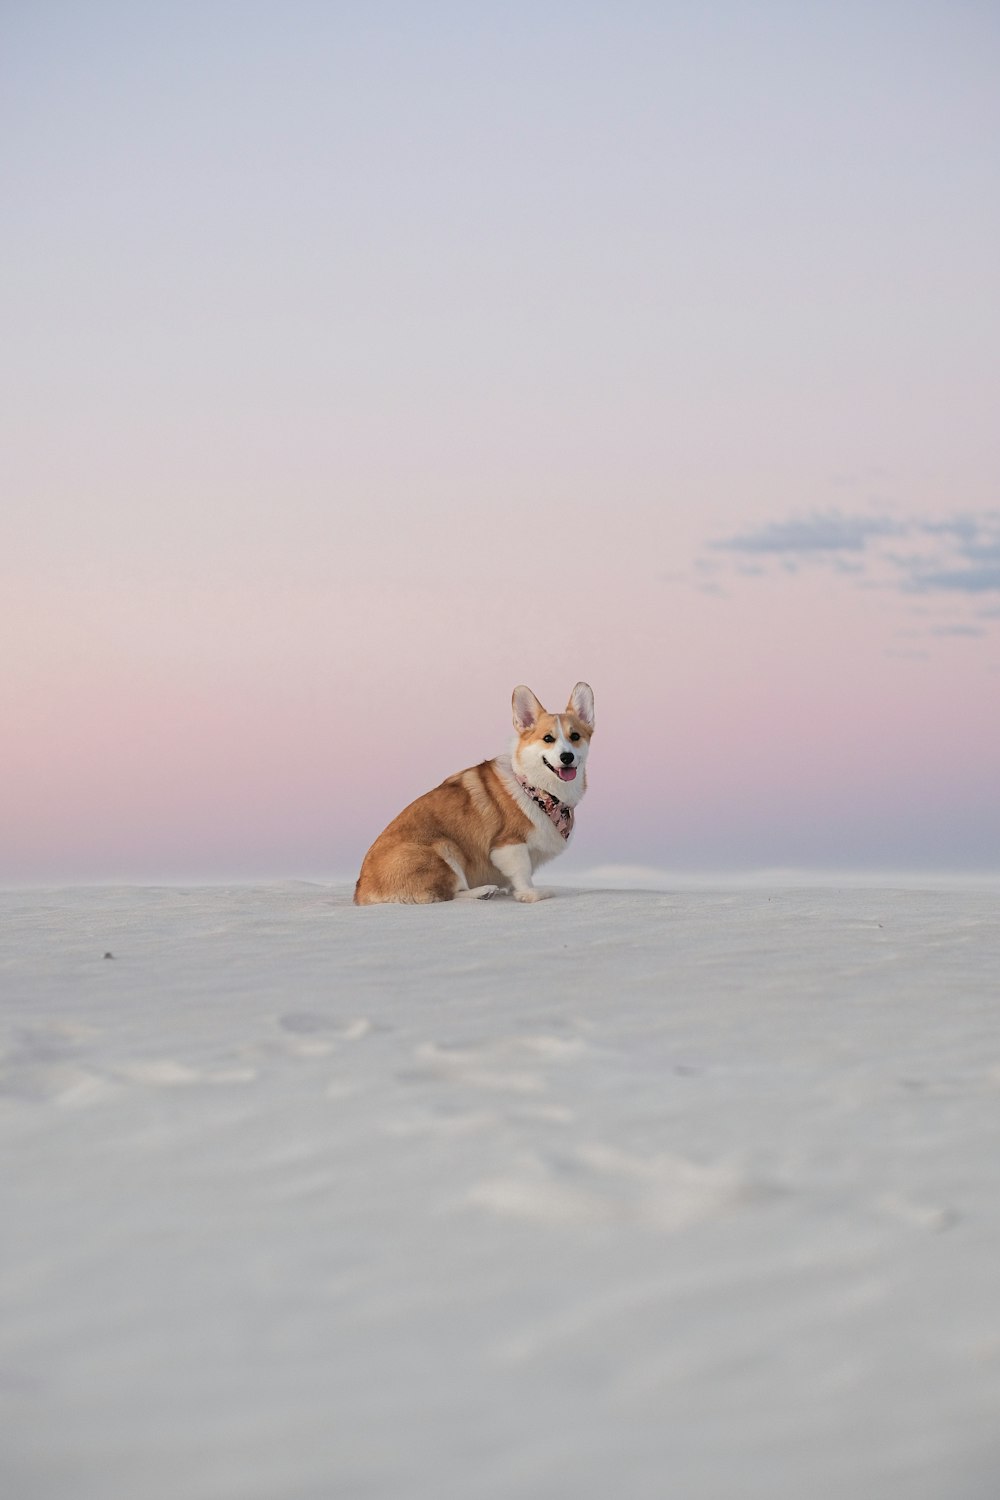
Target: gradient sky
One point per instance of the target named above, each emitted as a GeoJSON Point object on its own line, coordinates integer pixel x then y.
{"type": "Point", "coordinates": [361, 361]}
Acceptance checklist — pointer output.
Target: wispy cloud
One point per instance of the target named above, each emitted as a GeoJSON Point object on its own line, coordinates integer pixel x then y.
{"type": "Point", "coordinates": [956, 557]}
{"type": "Point", "coordinates": [970, 630]}
{"type": "Point", "coordinates": [965, 580]}
{"type": "Point", "coordinates": [805, 538]}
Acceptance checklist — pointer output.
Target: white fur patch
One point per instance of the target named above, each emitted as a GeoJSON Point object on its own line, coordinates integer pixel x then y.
{"type": "Point", "coordinates": [563, 741]}
{"type": "Point", "coordinates": [453, 864]}
{"type": "Point", "coordinates": [545, 841]}
{"type": "Point", "coordinates": [514, 861]}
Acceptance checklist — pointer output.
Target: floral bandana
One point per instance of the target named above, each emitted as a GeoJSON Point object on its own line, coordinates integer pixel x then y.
{"type": "Point", "coordinates": [559, 815]}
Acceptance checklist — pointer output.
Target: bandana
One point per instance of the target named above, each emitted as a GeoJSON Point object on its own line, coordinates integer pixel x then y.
{"type": "Point", "coordinates": [559, 815]}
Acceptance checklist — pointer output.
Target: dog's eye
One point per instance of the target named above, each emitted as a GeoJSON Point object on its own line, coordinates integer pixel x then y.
{"type": "Point", "coordinates": [574, 735]}
{"type": "Point", "coordinates": [550, 739]}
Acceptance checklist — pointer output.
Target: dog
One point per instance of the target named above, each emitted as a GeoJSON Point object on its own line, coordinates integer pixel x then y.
{"type": "Point", "coordinates": [487, 829]}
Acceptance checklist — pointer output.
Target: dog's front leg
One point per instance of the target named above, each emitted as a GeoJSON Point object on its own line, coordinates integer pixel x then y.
{"type": "Point", "coordinates": [514, 862]}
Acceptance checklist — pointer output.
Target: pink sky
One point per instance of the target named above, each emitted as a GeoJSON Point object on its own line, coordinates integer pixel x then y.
{"type": "Point", "coordinates": [359, 370]}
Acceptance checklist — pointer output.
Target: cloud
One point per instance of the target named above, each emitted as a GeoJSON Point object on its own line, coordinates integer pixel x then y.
{"type": "Point", "coordinates": [965, 580]}
{"type": "Point", "coordinates": [965, 556]}
{"type": "Point", "coordinates": [817, 534]}
{"type": "Point", "coordinates": [954, 557]}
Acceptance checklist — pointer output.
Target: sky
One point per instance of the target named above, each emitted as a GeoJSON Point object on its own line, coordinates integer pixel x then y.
{"type": "Point", "coordinates": [363, 361]}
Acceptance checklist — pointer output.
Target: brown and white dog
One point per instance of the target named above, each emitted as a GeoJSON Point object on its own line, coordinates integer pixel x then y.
{"type": "Point", "coordinates": [487, 829]}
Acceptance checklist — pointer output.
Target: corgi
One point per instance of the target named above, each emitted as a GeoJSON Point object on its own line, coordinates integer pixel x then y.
{"type": "Point", "coordinates": [487, 829]}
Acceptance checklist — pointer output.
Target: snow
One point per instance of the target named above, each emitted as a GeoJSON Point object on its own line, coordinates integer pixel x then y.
{"type": "Point", "coordinates": [644, 1193]}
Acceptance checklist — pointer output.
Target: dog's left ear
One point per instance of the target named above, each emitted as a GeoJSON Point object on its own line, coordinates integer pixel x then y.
{"type": "Point", "coordinates": [581, 703]}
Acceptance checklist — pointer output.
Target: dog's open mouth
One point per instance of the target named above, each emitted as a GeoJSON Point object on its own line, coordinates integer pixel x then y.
{"type": "Point", "coordinates": [565, 773]}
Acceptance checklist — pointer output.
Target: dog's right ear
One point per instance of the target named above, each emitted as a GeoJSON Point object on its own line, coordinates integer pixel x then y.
{"type": "Point", "coordinates": [527, 709]}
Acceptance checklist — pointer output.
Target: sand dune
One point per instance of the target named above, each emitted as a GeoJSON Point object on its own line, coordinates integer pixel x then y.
{"type": "Point", "coordinates": [690, 1193]}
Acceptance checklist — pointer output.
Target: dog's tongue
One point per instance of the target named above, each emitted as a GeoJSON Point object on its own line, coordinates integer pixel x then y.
{"type": "Point", "coordinates": [567, 773]}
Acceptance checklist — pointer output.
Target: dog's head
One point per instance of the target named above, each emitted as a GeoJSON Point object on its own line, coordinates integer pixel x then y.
{"type": "Point", "coordinates": [551, 749]}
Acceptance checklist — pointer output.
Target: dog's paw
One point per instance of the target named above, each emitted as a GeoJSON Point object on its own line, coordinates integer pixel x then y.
{"type": "Point", "coordinates": [478, 893]}
{"type": "Point", "coordinates": [532, 895]}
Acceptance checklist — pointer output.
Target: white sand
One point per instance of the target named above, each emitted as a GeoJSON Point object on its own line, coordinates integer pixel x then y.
{"type": "Point", "coordinates": [645, 1195]}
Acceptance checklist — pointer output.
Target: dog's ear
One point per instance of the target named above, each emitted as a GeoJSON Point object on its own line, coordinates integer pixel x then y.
{"type": "Point", "coordinates": [581, 703]}
{"type": "Point", "coordinates": [527, 709]}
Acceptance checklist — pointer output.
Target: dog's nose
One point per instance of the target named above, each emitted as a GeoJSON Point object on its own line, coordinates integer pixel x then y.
{"type": "Point", "coordinates": [567, 757]}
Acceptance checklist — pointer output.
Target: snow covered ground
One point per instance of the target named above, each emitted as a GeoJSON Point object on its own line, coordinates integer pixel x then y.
{"type": "Point", "coordinates": [689, 1194]}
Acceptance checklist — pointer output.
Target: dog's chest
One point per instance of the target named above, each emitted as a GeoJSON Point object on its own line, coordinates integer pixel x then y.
{"type": "Point", "coordinates": [544, 841]}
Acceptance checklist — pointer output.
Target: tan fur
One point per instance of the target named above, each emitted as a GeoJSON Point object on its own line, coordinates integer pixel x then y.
{"type": "Point", "coordinates": [461, 820]}
{"type": "Point", "coordinates": [465, 817]}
